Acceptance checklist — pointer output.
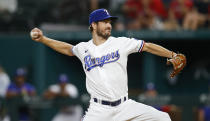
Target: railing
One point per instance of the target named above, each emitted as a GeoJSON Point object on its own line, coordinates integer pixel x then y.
{"type": "Point", "coordinates": [43, 110]}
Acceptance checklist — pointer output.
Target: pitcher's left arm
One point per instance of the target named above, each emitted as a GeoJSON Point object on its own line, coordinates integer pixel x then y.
{"type": "Point", "coordinates": [177, 60]}
{"type": "Point", "coordinates": [158, 50]}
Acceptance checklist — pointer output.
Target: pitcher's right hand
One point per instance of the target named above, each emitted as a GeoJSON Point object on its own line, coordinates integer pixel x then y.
{"type": "Point", "coordinates": [36, 34]}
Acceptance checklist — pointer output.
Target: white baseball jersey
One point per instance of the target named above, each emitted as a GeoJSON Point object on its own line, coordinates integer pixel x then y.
{"type": "Point", "coordinates": [4, 83]}
{"type": "Point", "coordinates": [69, 88]}
{"type": "Point", "coordinates": [68, 113]}
{"type": "Point", "coordinates": [105, 66]}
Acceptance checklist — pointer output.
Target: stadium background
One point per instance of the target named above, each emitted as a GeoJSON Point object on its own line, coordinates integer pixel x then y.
{"type": "Point", "coordinates": [44, 65]}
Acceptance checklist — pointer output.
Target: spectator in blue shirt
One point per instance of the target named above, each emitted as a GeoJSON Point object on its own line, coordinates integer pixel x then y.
{"type": "Point", "coordinates": [204, 114]}
{"type": "Point", "coordinates": [19, 88]}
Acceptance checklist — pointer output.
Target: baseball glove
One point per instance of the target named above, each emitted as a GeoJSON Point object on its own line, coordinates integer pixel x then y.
{"type": "Point", "coordinates": [178, 61]}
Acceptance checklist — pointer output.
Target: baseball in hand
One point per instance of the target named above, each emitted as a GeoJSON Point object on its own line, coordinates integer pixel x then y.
{"type": "Point", "coordinates": [34, 35]}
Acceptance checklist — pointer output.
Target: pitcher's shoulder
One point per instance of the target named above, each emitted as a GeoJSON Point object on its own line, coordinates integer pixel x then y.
{"type": "Point", "coordinates": [83, 44]}
{"type": "Point", "coordinates": [120, 38]}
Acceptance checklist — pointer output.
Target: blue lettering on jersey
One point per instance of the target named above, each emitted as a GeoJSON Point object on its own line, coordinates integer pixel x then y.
{"type": "Point", "coordinates": [91, 63]}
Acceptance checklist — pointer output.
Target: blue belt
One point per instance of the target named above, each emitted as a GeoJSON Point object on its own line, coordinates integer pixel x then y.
{"type": "Point", "coordinates": [114, 103]}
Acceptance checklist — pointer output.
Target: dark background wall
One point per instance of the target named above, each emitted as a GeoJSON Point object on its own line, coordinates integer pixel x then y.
{"type": "Point", "coordinates": [44, 64]}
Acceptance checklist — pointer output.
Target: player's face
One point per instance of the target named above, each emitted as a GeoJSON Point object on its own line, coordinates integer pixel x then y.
{"type": "Point", "coordinates": [20, 80]}
{"type": "Point", "coordinates": [104, 28]}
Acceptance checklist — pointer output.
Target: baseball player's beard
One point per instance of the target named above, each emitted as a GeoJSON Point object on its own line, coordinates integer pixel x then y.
{"type": "Point", "coordinates": [104, 34]}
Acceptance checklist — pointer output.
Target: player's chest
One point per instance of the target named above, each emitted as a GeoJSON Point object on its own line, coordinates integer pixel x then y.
{"type": "Point", "coordinates": [109, 49]}
{"type": "Point", "coordinates": [98, 57]}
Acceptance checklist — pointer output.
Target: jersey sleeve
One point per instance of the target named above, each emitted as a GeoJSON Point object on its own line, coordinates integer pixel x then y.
{"type": "Point", "coordinates": [31, 88]}
{"type": "Point", "coordinates": [72, 91]}
{"type": "Point", "coordinates": [54, 88]}
{"type": "Point", "coordinates": [76, 50]}
{"type": "Point", "coordinates": [11, 88]}
{"type": "Point", "coordinates": [132, 45]}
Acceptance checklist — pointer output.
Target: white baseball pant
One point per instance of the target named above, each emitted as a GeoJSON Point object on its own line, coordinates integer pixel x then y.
{"type": "Point", "coordinates": [129, 110]}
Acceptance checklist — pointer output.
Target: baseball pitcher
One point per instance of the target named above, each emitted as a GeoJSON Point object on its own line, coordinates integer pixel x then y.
{"type": "Point", "coordinates": [104, 60]}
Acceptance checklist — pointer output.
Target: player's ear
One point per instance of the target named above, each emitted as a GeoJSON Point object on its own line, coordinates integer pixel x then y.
{"type": "Point", "coordinates": [94, 25]}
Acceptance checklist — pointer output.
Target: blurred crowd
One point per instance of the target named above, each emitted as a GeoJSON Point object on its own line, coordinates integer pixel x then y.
{"type": "Point", "coordinates": [167, 15]}
{"type": "Point", "coordinates": [19, 87]}
{"type": "Point", "coordinates": [20, 15]}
